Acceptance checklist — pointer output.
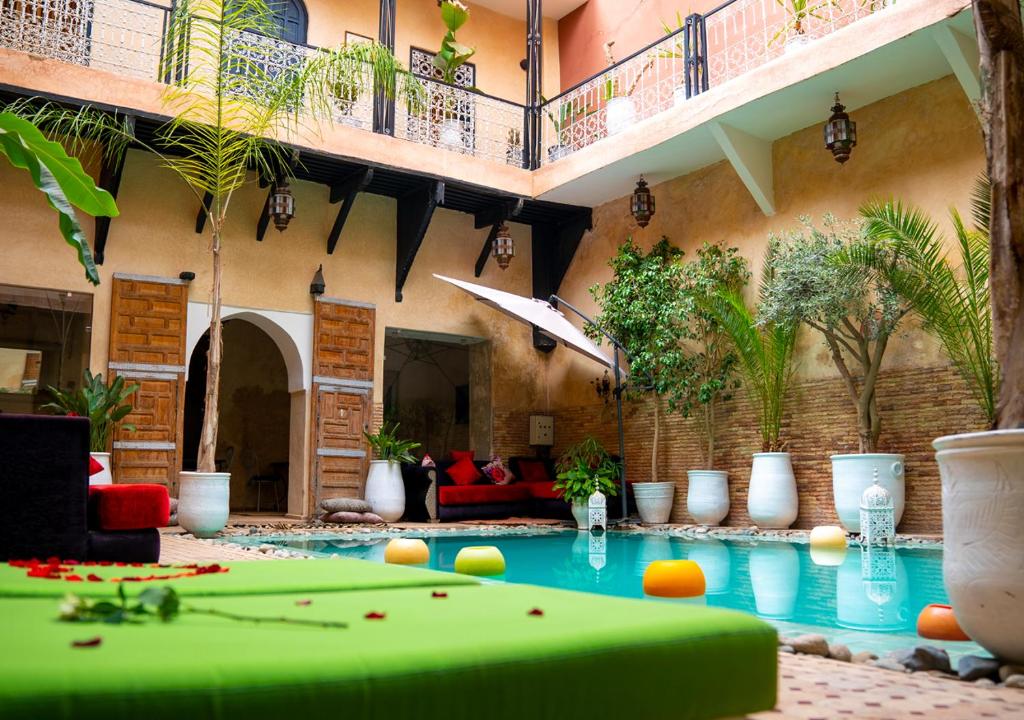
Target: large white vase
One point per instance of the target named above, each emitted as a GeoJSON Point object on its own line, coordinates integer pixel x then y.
{"type": "Point", "coordinates": [715, 562]}
{"type": "Point", "coordinates": [707, 497]}
{"type": "Point", "coordinates": [581, 513]}
{"type": "Point", "coordinates": [771, 499]}
{"type": "Point", "coordinates": [654, 501]}
{"type": "Point", "coordinates": [620, 113]}
{"type": "Point", "coordinates": [103, 477]}
{"type": "Point", "coordinates": [775, 579]}
{"type": "Point", "coordinates": [385, 490]}
{"type": "Point", "coordinates": [983, 555]}
{"type": "Point", "coordinates": [853, 474]}
{"type": "Point", "coordinates": [203, 502]}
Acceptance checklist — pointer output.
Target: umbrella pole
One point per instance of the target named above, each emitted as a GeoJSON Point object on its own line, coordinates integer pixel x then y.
{"type": "Point", "coordinates": [622, 439]}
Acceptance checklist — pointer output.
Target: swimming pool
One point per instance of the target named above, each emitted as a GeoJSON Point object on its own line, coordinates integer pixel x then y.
{"type": "Point", "coordinates": [870, 601]}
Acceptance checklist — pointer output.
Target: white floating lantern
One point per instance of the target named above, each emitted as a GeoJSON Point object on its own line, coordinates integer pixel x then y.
{"type": "Point", "coordinates": [597, 510]}
{"type": "Point", "coordinates": [877, 515]}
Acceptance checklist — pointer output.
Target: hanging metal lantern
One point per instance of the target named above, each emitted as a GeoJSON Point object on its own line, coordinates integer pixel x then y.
{"type": "Point", "coordinates": [503, 248]}
{"type": "Point", "coordinates": [281, 205]}
{"type": "Point", "coordinates": [642, 203]}
{"type": "Point", "coordinates": [840, 133]}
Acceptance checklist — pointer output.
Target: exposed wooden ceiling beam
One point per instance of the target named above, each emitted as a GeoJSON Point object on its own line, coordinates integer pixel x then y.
{"type": "Point", "coordinates": [345, 192]}
{"type": "Point", "coordinates": [415, 209]}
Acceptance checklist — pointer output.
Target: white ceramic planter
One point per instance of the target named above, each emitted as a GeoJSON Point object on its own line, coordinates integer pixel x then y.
{"type": "Point", "coordinates": [796, 42]}
{"type": "Point", "coordinates": [620, 113]}
{"type": "Point", "coordinates": [775, 579]}
{"type": "Point", "coordinates": [581, 512]}
{"type": "Point", "coordinates": [385, 490]}
{"type": "Point", "coordinates": [678, 95]}
{"type": "Point", "coordinates": [772, 500]}
{"type": "Point", "coordinates": [203, 502]}
{"type": "Point", "coordinates": [103, 477]}
{"type": "Point", "coordinates": [654, 501]}
{"type": "Point", "coordinates": [983, 554]}
{"type": "Point", "coordinates": [451, 135]}
{"type": "Point", "coordinates": [707, 497]}
{"type": "Point", "coordinates": [853, 474]}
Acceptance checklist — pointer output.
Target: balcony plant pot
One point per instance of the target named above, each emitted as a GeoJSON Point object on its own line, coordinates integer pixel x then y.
{"type": "Point", "coordinates": [851, 476]}
{"type": "Point", "coordinates": [679, 95]}
{"type": "Point", "coordinates": [982, 505]}
{"type": "Point", "coordinates": [385, 490]}
{"type": "Point", "coordinates": [203, 502]}
{"type": "Point", "coordinates": [795, 42]}
{"type": "Point", "coordinates": [620, 113]}
{"type": "Point", "coordinates": [451, 135]}
{"type": "Point", "coordinates": [581, 513]}
{"type": "Point", "coordinates": [707, 497]}
{"type": "Point", "coordinates": [103, 477]}
{"type": "Point", "coordinates": [654, 501]}
{"type": "Point", "coordinates": [772, 499]}
{"type": "Point", "coordinates": [775, 579]}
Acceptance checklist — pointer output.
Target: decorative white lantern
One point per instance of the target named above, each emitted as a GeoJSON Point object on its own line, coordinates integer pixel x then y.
{"type": "Point", "coordinates": [597, 510]}
{"type": "Point", "coordinates": [877, 515]}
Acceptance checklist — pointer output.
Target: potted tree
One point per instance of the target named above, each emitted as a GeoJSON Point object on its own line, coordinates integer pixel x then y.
{"type": "Point", "coordinates": [711, 379]}
{"type": "Point", "coordinates": [856, 312]}
{"type": "Point", "coordinates": [582, 469]}
{"type": "Point", "coordinates": [644, 308]}
{"type": "Point", "coordinates": [798, 13]}
{"type": "Point", "coordinates": [448, 60]}
{"type": "Point", "coordinates": [765, 352]}
{"type": "Point", "coordinates": [105, 406]}
{"type": "Point", "coordinates": [385, 490]}
{"type": "Point", "coordinates": [227, 118]}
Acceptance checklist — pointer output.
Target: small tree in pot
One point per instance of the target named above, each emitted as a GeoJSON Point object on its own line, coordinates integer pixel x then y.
{"type": "Point", "coordinates": [856, 312]}
{"type": "Point", "coordinates": [644, 308]}
{"type": "Point", "coordinates": [385, 490]}
{"type": "Point", "coordinates": [582, 469]}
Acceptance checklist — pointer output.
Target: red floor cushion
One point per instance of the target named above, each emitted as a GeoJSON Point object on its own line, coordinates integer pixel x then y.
{"type": "Point", "coordinates": [481, 494]}
{"type": "Point", "coordinates": [543, 490]}
{"type": "Point", "coordinates": [135, 506]}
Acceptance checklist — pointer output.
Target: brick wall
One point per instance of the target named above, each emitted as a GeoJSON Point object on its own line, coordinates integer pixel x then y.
{"type": "Point", "coordinates": [916, 405]}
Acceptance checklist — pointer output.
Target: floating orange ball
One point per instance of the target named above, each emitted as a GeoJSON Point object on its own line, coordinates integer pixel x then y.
{"type": "Point", "coordinates": [674, 579]}
{"type": "Point", "coordinates": [407, 551]}
{"type": "Point", "coordinates": [937, 622]}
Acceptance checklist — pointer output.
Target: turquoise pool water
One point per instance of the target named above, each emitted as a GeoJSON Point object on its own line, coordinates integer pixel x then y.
{"type": "Point", "coordinates": [868, 601]}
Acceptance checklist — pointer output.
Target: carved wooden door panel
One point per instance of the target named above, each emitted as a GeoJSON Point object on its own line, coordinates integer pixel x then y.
{"type": "Point", "coordinates": [147, 346]}
{"type": "Point", "coordinates": [343, 340]}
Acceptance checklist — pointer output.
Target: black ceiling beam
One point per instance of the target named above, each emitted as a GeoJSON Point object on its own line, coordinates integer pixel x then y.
{"type": "Point", "coordinates": [553, 247]}
{"type": "Point", "coordinates": [345, 192]}
{"type": "Point", "coordinates": [485, 251]}
{"type": "Point", "coordinates": [497, 213]}
{"type": "Point", "coordinates": [264, 221]}
{"type": "Point", "coordinates": [201, 217]}
{"type": "Point", "coordinates": [415, 208]}
{"type": "Point", "coordinates": [111, 170]}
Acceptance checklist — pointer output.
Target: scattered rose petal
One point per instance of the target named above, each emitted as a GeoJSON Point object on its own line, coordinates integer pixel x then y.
{"type": "Point", "coordinates": [438, 594]}
{"type": "Point", "coordinates": [536, 612]}
{"type": "Point", "coordinates": [303, 603]}
{"type": "Point", "coordinates": [91, 642]}
{"type": "Point", "coordinates": [375, 616]}
{"type": "Point", "coordinates": [93, 577]}
{"type": "Point", "coordinates": [74, 578]}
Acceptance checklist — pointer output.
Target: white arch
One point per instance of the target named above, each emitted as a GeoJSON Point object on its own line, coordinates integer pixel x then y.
{"type": "Point", "coordinates": [292, 333]}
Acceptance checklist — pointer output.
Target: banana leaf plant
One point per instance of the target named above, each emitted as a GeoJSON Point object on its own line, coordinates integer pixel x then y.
{"type": "Point", "coordinates": [61, 179]}
{"type": "Point", "coordinates": [452, 54]}
{"type": "Point", "coordinates": [104, 405]}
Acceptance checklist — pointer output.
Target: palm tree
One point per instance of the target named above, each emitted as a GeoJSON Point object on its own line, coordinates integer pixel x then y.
{"type": "Point", "coordinates": [904, 246]}
{"type": "Point", "coordinates": [232, 111]}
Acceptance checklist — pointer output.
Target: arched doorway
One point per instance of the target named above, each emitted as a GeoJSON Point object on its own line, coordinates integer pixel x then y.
{"type": "Point", "coordinates": [255, 409]}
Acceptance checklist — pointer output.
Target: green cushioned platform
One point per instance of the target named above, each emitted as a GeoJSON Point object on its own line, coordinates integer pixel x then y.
{"type": "Point", "coordinates": [243, 578]}
{"type": "Point", "coordinates": [477, 653]}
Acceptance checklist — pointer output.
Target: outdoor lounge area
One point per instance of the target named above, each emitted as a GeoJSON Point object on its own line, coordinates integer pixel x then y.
{"type": "Point", "coordinates": [512, 358]}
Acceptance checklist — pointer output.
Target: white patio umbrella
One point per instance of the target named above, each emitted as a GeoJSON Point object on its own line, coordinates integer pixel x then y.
{"type": "Point", "coordinates": [554, 324]}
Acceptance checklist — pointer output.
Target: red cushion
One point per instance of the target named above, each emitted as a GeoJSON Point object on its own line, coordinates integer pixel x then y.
{"type": "Point", "coordinates": [464, 472]}
{"type": "Point", "coordinates": [543, 490]}
{"type": "Point", "coordinates": [481, 494]}
{"type": "Point", "coordinates": [94, 466]}
{"type": "Point", "coordinates": [459, 454]}
{"type": "Point", "coordinates": [135, 506]}
{"type": "Point", "coordinates": [533, 471]}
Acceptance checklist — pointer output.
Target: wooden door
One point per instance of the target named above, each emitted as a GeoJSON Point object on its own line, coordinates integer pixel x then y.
{"type": "Point", "coordinates": [147, 346]}
{"type": "Point", "coordinates": [343, 339]}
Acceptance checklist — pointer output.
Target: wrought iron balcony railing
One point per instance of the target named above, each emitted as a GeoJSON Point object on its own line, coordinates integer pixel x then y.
{"type": "Point", "coordinates": [129, 37]}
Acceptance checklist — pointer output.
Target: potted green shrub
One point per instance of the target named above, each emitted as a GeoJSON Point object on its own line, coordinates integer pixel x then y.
{"type": "Point", "coordinates": [856, 312]}
{"type": "Point", "coordinates": [711, 361]}
{"type": "Point", "coordinates": [448, 60]}
{"type": "Point", "coordinates": [798, 12]}
{"type": "Point", "coordinates": [385, 490]}
{"type": "Point", "coordinates": [765, 354]}
{"type": "Point", "coordinates": [582, 469]}
{"type": "Point", "coordinates": [643, 306]}
{"type": "Point", "coordinates": [105, 406]}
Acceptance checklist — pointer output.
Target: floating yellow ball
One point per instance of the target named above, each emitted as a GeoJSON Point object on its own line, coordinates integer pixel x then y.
{"type": "Point", "coordinates": [407, 551]}
{"type": "Point", "coordinates": [483, 560]}
{"type": "Point", "coordinates": [674, 579]}
{"type": "Point", "coordinates": [830, 536]}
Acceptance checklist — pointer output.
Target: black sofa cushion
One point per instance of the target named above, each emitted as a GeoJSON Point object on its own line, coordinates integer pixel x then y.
{"type": "Point", "coordinates": [140, 546]}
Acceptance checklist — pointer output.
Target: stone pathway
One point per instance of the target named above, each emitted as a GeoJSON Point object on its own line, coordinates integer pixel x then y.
{"type": "Point", "coordinates": [176, 549]}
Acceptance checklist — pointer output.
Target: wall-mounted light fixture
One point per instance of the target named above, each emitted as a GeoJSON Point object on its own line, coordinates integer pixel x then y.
{"type": "Point", "coordinates": [503, 249]}
{"type": "Point", "coordinates": [187, 275]}
{"type": "Point", "coordinates": [318, 287]}
{"type": "Point", "coordinates": [282, 205]}
{"type": "Point", "coordinates": [641, 205]}
{"type": "Point", "coordinates": [840, 133]}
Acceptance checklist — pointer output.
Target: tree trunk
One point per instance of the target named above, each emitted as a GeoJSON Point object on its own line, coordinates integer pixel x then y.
{"type": "Point", "coordinates": [1001, 42]}
{"type": "Point", "coordinates": [654, 441]}
{"type": "Point", "coordinates": [709, 433]}
{"type": "Point", "coordinates": [208, 437]}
